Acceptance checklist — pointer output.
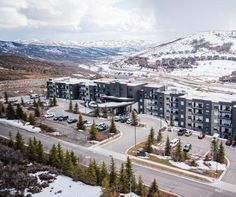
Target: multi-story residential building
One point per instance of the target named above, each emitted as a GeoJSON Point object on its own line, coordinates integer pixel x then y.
{"type": "Point", "coordinates": [197, 110]}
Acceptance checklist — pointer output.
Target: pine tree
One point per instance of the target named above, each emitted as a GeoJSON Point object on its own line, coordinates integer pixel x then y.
{"type": "Point", "coordinates": [159, 136]}
{"type": "Point", "coordinates": [31, 119]}
{"type": "Point", "coordinates": [134, 120]}
{"type": "Point", "coordinates": [141, 189]}
{"type": "Point", "coordinates": [153, 190]}
{"type": "Point", "coordinates": [40, 153]}
{"type": "Point", "coordinates": [179, 152]}
{"type": "Point", "coordinates": [60, 155]}
{"type": "Point", "coordinates": [97, 112]}
{"type": "Point", "coordinates": [54, 100]}
{"type": "Point", "coordinates": [70, 106]}
{"type": "Point", "coordinates": [123, 180]}
{"type": "Point", "coordinates": [148, 146]}
{"type": "Point", "coordinates": [107, 190]}
{"type": "Point", "coordinates": [113, 174]}
{"type": "Point", "coordinates": [24, 116]}
{"type": "Point", "coordinates": [214, 149]}
{"type": "Point", "coordinates": [35, 104]}
{"type": "Point", "coordinates": [68, 165]}
{"type": "Point", "coordinates": [97, 170]}
{"type": "Point", "coordinates": [105, 112]}
{"type": "Point", "coordinates": [10, 113]}
{"type": "Point", "coordinates": [73, 158]}
{"type": "Point", "coordinates": [36, 111]}
{"type": "Point", "coordinates": [93, 132]}
{"type": "Point", "coordinates": [171, 120]}
{"type": "Point", "coordinates": [151, 135]}
{"type": "Point", "coordinates": [76, 110]}
{"type": "Point", "coordinates": [80, 124]}
{"type": "Point", "coordinates": [113, 126]}
{"type": "Point", "coordinates": [221, 153]}
{"type": "Point", "coordinates": [91, 176]}
{"type": "Point", "coordinates": [11, 141]}
{"type": "Point", "coordinates": [22, 101]}
{"type": "Point", "coordinates": [167, 147]}
{"type": "Point", "coordinates": [50, 102]}
{"type": "Point", "coordinates": [31, 150]}
{"type": "Point", "coordinates": [53, 157]}
{"type": "Point", "coordinates": [19, 112]}
{"type": "Point", "coordinates": [130, 174]}
{"type": "Point", "coordinates": [103, 173]}
{"type": "Point", "coordinates": [6, 97]}
{"type": "Point", "coordinates": [19, 144]}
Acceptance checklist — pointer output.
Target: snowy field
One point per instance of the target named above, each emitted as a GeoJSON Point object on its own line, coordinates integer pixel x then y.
{"type": "Point", "coordinates": [208, 70]}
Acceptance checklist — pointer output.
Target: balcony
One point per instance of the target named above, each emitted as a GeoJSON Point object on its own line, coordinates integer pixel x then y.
{"type": "Point", "coordinates": [227, 116]}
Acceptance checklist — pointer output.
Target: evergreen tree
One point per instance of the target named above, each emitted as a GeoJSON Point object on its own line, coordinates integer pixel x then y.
{"type": "Point", "coordinates": [3, 109]}
{"type": "Point", "coordinates": [10, 113]}
{"type": "Point", "coordinates": [76, 109]}
{"type": "Point", "coordinates": [11, 141]}
{"type": "Point", "coordinates": [103, 173]}
{"type": "Point", "coordinates": [113, 126]}
{"type": "Point", "coordinates": [50, 102]}
{"type": "Point", "coordinates": [22, 101]}
{"type": "Point", "coordinates": [68, 165]}
{"type": "Point", "coordinates": [31, 119]}
{"type": "Point", "coordinates": [91, 177]}
{"type": "Point", "coordinates": [40, 153]}
{"type": "Point", "coordinates": [148, 146]}
{"type": "Point", "coordinates": [221, 153]}
{"type": "Point", "coordinates": [19, 112]}
{"type": "Point", "coordinates": [36, 111]}
{"type": "Point", "coordinates": [123, 180]}
{"type": "Point", "coordinates": [97, 170]}
{"type": "Point", "coordinates": [141, 189]}
{"type": "Point", "coordinates": [53, 157]}
{"type": "Point", "coordinates": [134, 120]}
{"type": "Point", "coordinates": [214, 149]}
{"type": "Point", "coordinates": [70, 106]}
{"type": "Point", "coordinates": [130, 174]}
{"type": "Point", "coordinates": [73, 158]}
{"type": "Point", "coordinates": [179, 152]}
{"type": "Point", "coordinates": [24, 116]}
{"type": "Point", "coordinates": [54, 100]}
{"type": "Point", "coordinates": [39, 103]}
{"type": "Point", "coordinates": [19, 144]}
{"type": "Point", "coordinates": [167, 147]}
{"type": "Point", "coordinates": [153, 190]}
{"type": "Point", "coordinates": [97, 112]}
{"type": "Point", "coordinates": [105, 112]}
{"type": "Point", "coordinates": [6, 97]}
{"type": "Point", "coordinates": [159, 136]}
{"type": "Point", "coordinates": [107, 190]}
{"type": "Point", "coordinates": [171, 120]}
{"type": "Point", "coordinates": [93, 132]}
{"type": "Point", "coordinates": [35, 104]}
{"type": "Point", "coordinates": [113, 174]}
{"type": "Point", "coordinates": [31, 150]}
{"type": "Point", "coordinates": [60, 155]}
{"type": "Point", "coordinates": [80, 123]}
{"type": "Point", "coordinates": [151, 135]}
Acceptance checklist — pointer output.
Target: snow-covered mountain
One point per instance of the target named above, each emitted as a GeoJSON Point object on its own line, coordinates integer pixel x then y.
{"type": "Point", "coordinates": [79, 52]}
{"type": "Point", "coordinates": [201, 46]}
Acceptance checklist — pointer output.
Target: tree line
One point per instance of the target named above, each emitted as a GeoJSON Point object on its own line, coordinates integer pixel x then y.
{"type": "Point", "coordinates": [112, 180]}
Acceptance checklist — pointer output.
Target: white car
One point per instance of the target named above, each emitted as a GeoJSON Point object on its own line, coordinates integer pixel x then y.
{"type": "Point", "coordinates": [88, 124]}
{"type": "Point", "coordinates": [216, 136]}
{"type": "Point", "coordinates": [188, 133]}
{"type": "Point", "coordinates": [49, 115]}
{"type": "Point", "coordinates": [174, 142]}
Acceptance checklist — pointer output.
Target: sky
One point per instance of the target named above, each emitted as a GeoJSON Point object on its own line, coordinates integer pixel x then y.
{"type": "Point", "coordinates": [76, 20]}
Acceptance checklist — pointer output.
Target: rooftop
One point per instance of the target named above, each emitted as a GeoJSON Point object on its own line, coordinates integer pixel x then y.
{"type": "Point", "coordinates": [69, 80]}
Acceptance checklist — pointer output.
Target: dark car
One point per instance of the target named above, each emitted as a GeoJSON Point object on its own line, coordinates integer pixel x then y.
{"type": "Point", "coordinates": [142, 154]}
{"type": "Point", "coordinates": [201, 135]}
{"type": "Point", "coordinates": [61, 118]}
{"type": "Point", "coordinates": [187, 147]}
{"type": "Point", "coordinates": [123, 119]}
{"type": "Point", "coordinates": [229, 142]}
{"type": "Point", "coordinates": [71, 120]}
{"type": "Point", "coordinates": [181, 132]}
{"type": "Point", "coordinates": [56, 118]}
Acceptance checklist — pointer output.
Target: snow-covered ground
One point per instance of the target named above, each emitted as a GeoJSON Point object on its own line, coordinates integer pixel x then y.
{"type": "Point", "coordinates": [65, 187]}
{"type": "Point", "coordinates": [19, 124]}
{"type": "Point", "coordinates": [210, 165]}
{"type": "Point", "coordinates": [207, 70]}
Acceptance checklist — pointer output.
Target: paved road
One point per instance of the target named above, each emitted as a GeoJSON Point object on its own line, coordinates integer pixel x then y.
{"type": "Point", "coordinates": [179, 185]}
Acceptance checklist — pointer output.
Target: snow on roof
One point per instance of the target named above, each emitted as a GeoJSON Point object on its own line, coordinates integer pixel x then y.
{"type": "Point", "coordinates": [70, 80]}
{"type": "Point", "coordinates": [129, 82]}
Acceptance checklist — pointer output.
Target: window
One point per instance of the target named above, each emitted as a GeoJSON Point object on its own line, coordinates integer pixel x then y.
{"type": "Point", "coordinates": [181, 116]}
{"type": "Point", "coordinates": [182, 103]}
{"type": "Point", "coordinates": [182, 123]}
{"type": "Point", "coordinates": [207, 120]}
{"type": "Point", "coordinates": [215, 121]}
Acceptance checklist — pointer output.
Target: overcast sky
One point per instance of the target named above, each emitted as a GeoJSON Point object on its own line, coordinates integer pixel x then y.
{"type": "Point", "coordinates": [157, 20]}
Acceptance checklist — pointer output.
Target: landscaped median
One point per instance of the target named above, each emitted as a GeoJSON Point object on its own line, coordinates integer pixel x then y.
{"type": "Point", "coordinates": [202, 173]}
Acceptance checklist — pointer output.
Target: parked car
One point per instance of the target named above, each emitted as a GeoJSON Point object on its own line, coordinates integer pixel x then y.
{"type": "Point", "coordinates": [87, 123]}
{"type": "Point", "coordinates": [187, 147]}
{"type": "Point", "coordinates": [188, 133]}
{"type": "Point", "coordinates": [129, 121]}
{"type": "Point", "coordinates": [142, 154]}
{"type": "Point", "coordinates": [34, 96]}
{"type": "Point", "coordinates": [71, 120]}
{"type": "Point", "coordinates": [170, 129]}
{"type": "Point", "coordinates": [123, 119]}
{"type": "Point", "coordinates": [49, 115]}
{"type": "Point", "coordinates": [61, 118]}
{"type": "Point", "coordinates": [56, 118]}
{"type": "Point", "coordinates": [229, 142]}
{"type": "Point", "coordinates": [201, 135]}
{"type": "Point", "coordinates": [101, 126]}
{"type": "Point", "coordinates": [181, 132]}
{"type": "Point", "coordinates": [215, 136]}
{"type": "Point", "coordinates": [117, 118]}
{"type": "Point", "coordinates": [174, 142]}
